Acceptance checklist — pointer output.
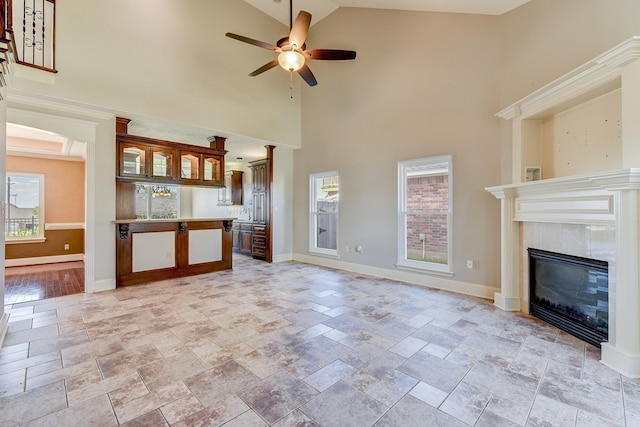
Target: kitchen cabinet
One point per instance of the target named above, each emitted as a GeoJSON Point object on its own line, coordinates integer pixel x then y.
{"type": "Point", "coordinates": [259, 241]}
{"type": "Point", "coordinates": [231, 194]}
{"type": "Point", "coordinates": [259, 175]}
{"type": "Point", "coordinates": [142, 159]}
{"type": "Point", "coordinates": [200, 168]}
{"type": "Point", "coordinates": [242, 237]}
{"type": "Point", "coordinates": [146, 161]}
{"type": "Point", "coordinates": [260, 199]}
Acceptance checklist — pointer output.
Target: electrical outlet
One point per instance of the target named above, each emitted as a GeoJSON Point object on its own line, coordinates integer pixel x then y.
{"type": "Point", "coordinates": [469, 263]}
{"type": "Point", "coordinates": [348, 249]}
{"type": "Point", "coordinates": [476, 265]}
{"type": "Point", "coordinates": [66, 246]}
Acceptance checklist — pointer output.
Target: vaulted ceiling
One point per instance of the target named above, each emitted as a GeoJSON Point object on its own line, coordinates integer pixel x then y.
{"type": "Point", "coordinates": [279, 9]}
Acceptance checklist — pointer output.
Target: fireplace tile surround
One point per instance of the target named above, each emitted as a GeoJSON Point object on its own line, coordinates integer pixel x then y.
{"type": "Point", "coordinates": [594, 215]}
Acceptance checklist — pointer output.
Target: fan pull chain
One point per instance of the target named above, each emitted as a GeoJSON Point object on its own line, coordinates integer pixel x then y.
{"type": "Point", "coordinates": [291, 83]}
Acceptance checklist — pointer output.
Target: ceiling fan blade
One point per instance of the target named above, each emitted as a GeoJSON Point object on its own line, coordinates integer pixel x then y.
{"type": "Point", "coordinates": [307, 75]}
{"type": "Point", "coordinates": [265, 67]}
{"type": "Point", "coordinates": [300, 29]}
{"type": "Point", "coordinates": [253, 42]}
{"type": "Point", "coordinates": [329, 54]}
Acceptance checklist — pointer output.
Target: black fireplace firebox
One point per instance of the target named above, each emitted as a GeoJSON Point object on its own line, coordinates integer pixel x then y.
{"type": "Point", "coordinates": [571, 293]}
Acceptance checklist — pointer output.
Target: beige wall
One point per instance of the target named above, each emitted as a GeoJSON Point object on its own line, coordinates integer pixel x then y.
{"type": "Point", "coordinates": [64, 186]}
{"type": "Point", "coordinates": [423, 84]}
{"type": "Point", "coordinates": [585, 139]}
{"type": "Point", "coordinates": [427, 84]}
{"type": "Point", "coordinates": [64, 202]}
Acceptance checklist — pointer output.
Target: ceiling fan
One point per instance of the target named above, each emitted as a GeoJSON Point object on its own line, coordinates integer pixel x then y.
{"type": "Point", "coordinates": [292, 52]}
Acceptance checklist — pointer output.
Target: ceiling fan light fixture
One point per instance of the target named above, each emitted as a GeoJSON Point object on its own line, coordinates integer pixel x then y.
{"type": "Point", "coordinates": [291, 60]}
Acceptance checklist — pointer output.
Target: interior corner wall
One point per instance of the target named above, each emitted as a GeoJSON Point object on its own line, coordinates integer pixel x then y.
{"type": "Point", "coordinates": [544, 39]}
{"type": "Point", "coordinates": [423, 84]}
{"type": "Point", "coordinates": [282, 197]}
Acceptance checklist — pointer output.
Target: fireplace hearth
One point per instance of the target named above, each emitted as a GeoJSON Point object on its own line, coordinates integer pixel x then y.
{"type": "Point", "coordinates": [571, 293]}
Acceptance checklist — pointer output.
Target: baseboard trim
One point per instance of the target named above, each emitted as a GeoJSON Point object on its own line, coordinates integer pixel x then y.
{"type": "Point", "coordinates": [283, 257]}
{"type": "Point", "coordinates": [18, 262]}
{"type": "Point", "coordinates": [628, 364]}
{"type": "Point", "coordinates": [101, 285]}
{"type": "Point", "coordinates": [4, 326]}
{"type": "Point", "coordinates": [472, 289]}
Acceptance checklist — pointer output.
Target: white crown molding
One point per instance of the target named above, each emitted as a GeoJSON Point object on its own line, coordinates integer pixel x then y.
{"type": "Point", "coordinates": [50, 103]}
{"type": "Point", "coordinates": [595, 73]}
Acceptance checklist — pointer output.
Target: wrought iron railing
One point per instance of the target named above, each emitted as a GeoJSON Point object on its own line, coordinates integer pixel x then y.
{"type": "Point", "coordinates": [30, 31]}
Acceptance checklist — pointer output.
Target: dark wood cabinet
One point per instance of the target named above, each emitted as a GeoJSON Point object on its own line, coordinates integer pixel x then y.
{"type": "Point", "coordinates": [232, 192]}
{"type": "Point", "coordinates": [259, 175]}
{"type": "Point", "coordinates": [242, 237]}
{"type": "Point", "coordinates": [259, 178]}
{"type": "Point", "coordinates": [259, 241]}
{"type": "Point", "coordinates": [261, 171]}
{"type": "Point", "coordinates": [142, 159]}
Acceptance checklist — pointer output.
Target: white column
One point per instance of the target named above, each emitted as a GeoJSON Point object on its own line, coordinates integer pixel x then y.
{"type": "Point", "coordinates": [622, 352]}
{"type": "Point", "coordinates": [508, 299]}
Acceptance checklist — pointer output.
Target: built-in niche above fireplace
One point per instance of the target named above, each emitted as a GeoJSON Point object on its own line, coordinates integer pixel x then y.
{"type": "Point", "coordinates": [571, 293]}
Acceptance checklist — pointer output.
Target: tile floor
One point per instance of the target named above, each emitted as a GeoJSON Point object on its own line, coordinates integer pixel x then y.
{"type": "Point", "coordinates": [36, 282]}
{"type": "Point", "coordinates": [297, 345]}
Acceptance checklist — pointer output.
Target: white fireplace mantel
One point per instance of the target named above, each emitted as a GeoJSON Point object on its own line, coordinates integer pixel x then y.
{"type": "Point", "coordinates": [607, 199]}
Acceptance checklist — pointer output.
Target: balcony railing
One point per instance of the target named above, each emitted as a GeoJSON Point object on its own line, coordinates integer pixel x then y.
{"type": "Point", "coordinates": [29, 29]}
{"type": "Point", "coordinates": [21, 227]}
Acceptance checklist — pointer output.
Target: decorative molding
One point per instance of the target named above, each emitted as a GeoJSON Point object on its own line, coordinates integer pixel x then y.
{"type": "Point", "coordinates": [227, 225]}
{"type": "Point", "coordinates": [601, 70]}
{"type": "Point", "coordinates": [628, 364]}
{"type": "Point", "coordinates": [123, 231]}
{"type": "Point", "coordinates": [64, 226]}
{"type": "Point", "coordinates": [183, 227]}
{"type": "Point", "coordinates": [506, 303]}
{"type": "Point", "coordinates": [567, 209]}
{"type": "Point", "coordinates": [18, 262]}
{"type": "Point", "coordinates": [50, 103]}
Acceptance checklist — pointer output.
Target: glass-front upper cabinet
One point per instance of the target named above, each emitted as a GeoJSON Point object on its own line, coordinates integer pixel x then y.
{"type": "Point", "coordinates": [163, 163]}
{"type": "Point", "coordinates": [133, 160]}
{"type": "Point", "coordinates": [190, 166]}
{"type": "Point", "coordinates": [213, 169]}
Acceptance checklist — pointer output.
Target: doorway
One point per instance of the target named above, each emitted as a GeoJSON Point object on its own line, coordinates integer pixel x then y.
{"type": "Point", "coordinates": [44, 233]}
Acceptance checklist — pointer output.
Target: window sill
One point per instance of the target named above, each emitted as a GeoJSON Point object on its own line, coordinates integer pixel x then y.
{"type": "Point", "coordinates": [426, 270]}
{"type": "Point", "coordinates": [26, 240]}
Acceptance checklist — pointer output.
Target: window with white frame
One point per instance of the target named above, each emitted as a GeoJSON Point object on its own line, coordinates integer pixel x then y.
{"type": "Point", "coordinates": [425, 213]}
{"type": "Point", "coordinates": [24, 217]}
{"type": "Point", "coordinates": [323, 220]}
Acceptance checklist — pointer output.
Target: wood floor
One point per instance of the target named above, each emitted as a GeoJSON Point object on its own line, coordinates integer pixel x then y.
{"type": "Point", "coordinates": [36, 282]}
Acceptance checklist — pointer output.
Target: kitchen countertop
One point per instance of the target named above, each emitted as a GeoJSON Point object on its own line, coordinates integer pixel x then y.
{"type": "Point", "coordinates": [146, 221]}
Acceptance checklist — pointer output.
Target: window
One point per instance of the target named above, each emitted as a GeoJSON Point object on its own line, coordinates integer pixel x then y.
{"type": "Point", "coordinates": [323, 219]}
{"type": "Point", "coordinates": [157, 201]}
{"type": "Point", "coordinates": [24, 217]}
{"type": "Point", "coordinates": [424, 213]}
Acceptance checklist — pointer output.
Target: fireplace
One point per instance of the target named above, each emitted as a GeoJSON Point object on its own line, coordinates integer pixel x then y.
{"type": "Point", "coordinates": [571, 293]}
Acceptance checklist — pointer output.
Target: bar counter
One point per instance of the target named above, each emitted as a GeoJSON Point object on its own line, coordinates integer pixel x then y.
{"type": "Point", "coordinates": [149, 250]}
